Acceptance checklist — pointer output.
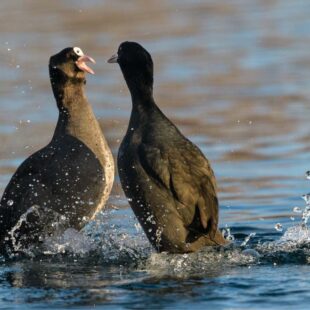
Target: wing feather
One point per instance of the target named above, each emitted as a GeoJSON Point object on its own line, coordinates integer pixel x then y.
{"type": "Point", "coordinates": [190, 180]}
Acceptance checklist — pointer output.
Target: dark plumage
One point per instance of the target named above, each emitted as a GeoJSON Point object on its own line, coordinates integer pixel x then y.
{"type": "Point", "coordinates": [168, 181]}
{"type": "Point", "coordinates": [72, 175]}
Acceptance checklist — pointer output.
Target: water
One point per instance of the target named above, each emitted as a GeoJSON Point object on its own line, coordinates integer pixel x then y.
{"type": "Point", "coordinates": [235, 77]}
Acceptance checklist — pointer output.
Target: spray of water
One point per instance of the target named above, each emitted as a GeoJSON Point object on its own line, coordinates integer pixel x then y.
{"type": "Point", "coordinates": [109, 241]}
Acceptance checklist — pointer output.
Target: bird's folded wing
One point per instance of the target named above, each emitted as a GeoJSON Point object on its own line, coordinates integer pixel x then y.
{"type": "Point", "coordinates": [188, 177]}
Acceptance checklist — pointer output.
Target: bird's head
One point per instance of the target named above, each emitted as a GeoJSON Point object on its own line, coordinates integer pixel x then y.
{"type": "Point", "coordinates": [136, 64]}
{"type": "Point", "coordinates": [70, 64]}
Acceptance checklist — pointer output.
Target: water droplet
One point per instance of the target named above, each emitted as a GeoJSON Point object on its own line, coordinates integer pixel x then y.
{"type": "Point", "coordinates": [63, 218]}
{"type": "Point", "coordinates": [230, 238]}
{"type": "Point", "coordinates": [137, 227]}
{"type": "Point", "coordinates": [278, 227]}
{"type": "Point", "coordinates": [306, 215]}
{"type": "Point", "coordinates": [297, 210]}
{"type": "Point", "coordinates": [10, 202]}
{"type": "Point", "coordinates": [227, 234]}
{"type": "Point", "coordinates": [306, 198]}
{"type": "Point", "coordinates": [247, 238]}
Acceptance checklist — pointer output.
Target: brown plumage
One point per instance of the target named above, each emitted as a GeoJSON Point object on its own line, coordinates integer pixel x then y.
{"type": "Point", "coordinates": [72, 176]}
{"type": "Point", "coordinates": [168, 181]}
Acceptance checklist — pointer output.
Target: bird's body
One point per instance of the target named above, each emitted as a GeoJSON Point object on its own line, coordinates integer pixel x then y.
{"type": "Point", "coordinates": [72, 176]}
{"type": "Point", "coordinates": [168, 181]}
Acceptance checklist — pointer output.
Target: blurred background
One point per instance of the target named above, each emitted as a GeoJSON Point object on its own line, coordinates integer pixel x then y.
{"type": "Point", "coordinates": [233, 75]}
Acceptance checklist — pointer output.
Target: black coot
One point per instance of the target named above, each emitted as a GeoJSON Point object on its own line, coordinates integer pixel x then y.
{"type": "Point", "coordinates": [168, 181]}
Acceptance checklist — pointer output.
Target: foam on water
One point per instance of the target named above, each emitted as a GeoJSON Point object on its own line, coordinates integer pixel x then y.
{"type": "Point", "coordinates": [202, 262]}
{"type": "Point", "coordinates": [299, 233]}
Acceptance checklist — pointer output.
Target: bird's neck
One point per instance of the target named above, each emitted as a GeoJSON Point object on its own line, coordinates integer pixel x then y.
{"type": "Point", "coordinates": [67, 92]}
{"type": "Point", "coordinates": [76, 118]}
{"type": "Point", "coordinates": [141, 94]}
{"type": "Point", "coordinates": [140, 85]}
{"type": "Point", "coordinates": [144, 114]}
{"type": "Point", "coordinates": [142, 104]}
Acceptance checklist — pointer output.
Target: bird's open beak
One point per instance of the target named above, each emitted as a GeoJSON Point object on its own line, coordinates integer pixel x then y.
{"type": "Point", "coordinates": [113, 59]}
{"type": "Point", "coordinates": [81, 64]}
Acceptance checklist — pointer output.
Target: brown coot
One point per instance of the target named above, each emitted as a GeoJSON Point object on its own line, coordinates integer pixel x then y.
{"type": "Point", "coordinates": [70, 178]}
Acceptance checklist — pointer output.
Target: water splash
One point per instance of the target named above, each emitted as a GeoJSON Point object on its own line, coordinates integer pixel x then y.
{"type": "Point", "coordinates": [13, 233]}
{"type": "Point", "coordinates": [247, 238]}
{"type": "Point", "coordinates": [208, 260]}
{"type": "Point", "coordinates": [70, 242]}
{"type": "Point", "coordinates": [306, 215]}
{"type": "Point", "coordinates": [227, 234]}
{"type": "Point", "coordinates": [297, 210]}
{"type": "Point", "coordinates": [298, 233]}
{"type": "Point", "coordinates": [278, 227]}
{"type": "Point", "coordinates": [294, 245]}
{"type": "Point", "coordinates": [33, 227]}
{"type": "Point", "coordinates": [114, 243]}
{"type": "Point", "coordinates": [107, 240]}
{"type": "Point", "coordinates": [306, 198]}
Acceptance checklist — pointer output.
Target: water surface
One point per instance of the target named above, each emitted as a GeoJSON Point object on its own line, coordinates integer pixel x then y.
{"type": "Point", "coordinates": [235, 77]}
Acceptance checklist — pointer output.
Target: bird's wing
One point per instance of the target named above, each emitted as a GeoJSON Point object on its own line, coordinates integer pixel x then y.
{"type": "Point", "coordinates": [188, 177]}
{"type": "Point", "coordinates": [23, 189]}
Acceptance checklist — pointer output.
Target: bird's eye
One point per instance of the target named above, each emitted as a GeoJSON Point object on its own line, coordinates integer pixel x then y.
{"type": "Point", "coordinates": [78, 51]}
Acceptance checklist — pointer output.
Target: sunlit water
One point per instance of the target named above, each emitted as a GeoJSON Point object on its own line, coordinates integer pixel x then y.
{"type": "Point", "coordinates": [235, 77]}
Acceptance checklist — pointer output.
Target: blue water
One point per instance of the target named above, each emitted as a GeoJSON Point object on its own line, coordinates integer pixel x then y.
{"type": "Point", "coordinates": [235, 77]}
